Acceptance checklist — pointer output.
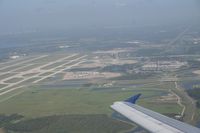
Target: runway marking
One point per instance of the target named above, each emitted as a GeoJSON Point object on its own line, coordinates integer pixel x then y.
{"type": "Point", "coordinates": [20, 68]}
{"type": "Point", "coordinates": [44, 71]}
{"type": "Point", "coordinates": [62, 69]}
{"type": "Point", "coordinates": [22, 62]}
{"type": "Point", "coordinates": [16, 83]}
{"type": "Point", "coordinates": [13, 60]}
{"type": "Point", "coordinates": [53, 62]}
{"type": "Point", "coordinates": [5, 92]}
{"type": "Point", "coordinates": [33, 69]}
{"type": "Point", "coordinates": [15, 75]}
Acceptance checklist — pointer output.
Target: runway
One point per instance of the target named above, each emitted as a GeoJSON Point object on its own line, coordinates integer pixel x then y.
{"type": "Point", "coordinates": [43, 70]}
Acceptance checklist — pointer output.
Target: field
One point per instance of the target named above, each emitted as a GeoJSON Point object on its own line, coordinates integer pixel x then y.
{"type": "Point", "coordinates": [70, 123]}
{"type": "Point", "coordinates": [50, 93]}
{"type": "Point", "coordinates": [60, 103]}
{"type": "Point", "coordinates": [40, 101]}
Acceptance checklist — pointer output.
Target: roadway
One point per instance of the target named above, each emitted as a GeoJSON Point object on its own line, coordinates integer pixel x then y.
{"type": "Point", "coordinates": [187, 103]}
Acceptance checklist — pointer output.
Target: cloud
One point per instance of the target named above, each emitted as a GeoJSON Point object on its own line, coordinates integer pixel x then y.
{"type": "Point", "coordinates": [197, 3]}
{"type": "Point", "coordinates": [120, 4]}
{"type": "Point", "coordinates": [1, 2]}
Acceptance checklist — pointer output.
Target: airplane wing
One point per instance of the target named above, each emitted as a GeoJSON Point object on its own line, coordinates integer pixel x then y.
{"type": "Point", "coordinates": [150, 120]}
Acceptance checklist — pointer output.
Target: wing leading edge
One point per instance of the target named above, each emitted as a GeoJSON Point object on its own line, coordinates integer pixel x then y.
{"type": "Point", "coordinates": [150, 120]}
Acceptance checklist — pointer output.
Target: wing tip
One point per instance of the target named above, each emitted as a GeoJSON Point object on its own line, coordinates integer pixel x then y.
{"type": "Point", "coordinates": [133, 99]}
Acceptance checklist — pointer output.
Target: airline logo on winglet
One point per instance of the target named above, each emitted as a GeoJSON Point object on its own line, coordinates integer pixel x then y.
{"type": "Point", "coordinates": [133, 99]}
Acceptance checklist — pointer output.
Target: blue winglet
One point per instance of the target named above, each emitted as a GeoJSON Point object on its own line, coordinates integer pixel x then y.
{"type": "Point", "coordinates": [133, 99]}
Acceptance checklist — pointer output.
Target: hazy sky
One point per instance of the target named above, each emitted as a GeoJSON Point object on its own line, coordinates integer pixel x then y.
{"type": "Point", "coordinates": [42, 15]}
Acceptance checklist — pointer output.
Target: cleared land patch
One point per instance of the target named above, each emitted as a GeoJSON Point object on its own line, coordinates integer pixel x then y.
{"type": "Point", "coordinates": [197, 72]}
{"type": "Point", "coordinates": [89, 75]}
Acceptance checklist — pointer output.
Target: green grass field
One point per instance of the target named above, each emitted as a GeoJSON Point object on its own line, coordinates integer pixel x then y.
{"type": "Point", "coordinates": [37, 101]}
{"type": "Point", "coordinates": [54, 106]}
{"type": "Point", "coordinates": [65, 124]}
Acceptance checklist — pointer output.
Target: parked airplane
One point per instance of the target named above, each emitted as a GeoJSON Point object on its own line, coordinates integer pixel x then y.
{"type": "Point", "coordinates": [150, 120]}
